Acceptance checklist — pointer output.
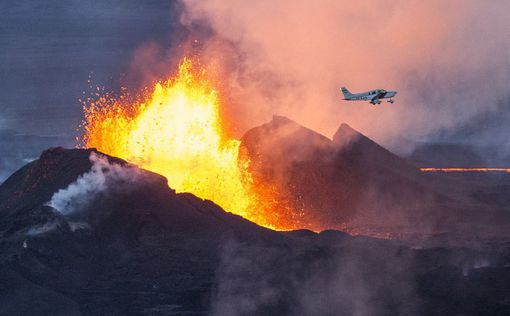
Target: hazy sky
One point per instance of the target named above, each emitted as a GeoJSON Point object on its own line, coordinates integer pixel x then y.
{"type": "Point", "coordinates": [48, 49]}
{"type": "Point", "coordinates": [449, 60]}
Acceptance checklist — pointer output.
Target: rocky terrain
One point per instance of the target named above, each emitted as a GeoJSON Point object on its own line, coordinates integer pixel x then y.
{"type": "Point", "coordinates": [135, 247]}
{"type": "Point", "coordinates": [352, 183]}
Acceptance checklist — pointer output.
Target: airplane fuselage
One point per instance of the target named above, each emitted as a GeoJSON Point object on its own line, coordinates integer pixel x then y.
{"type": "Point", "coordinates": [374, 96]}
{"type": "Point", "coordinates": [369, 95]}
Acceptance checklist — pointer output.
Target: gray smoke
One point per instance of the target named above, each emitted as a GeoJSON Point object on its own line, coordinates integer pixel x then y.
{"type": "Point", "coordinates": [449, 60]}
{"type": "Point", "coordinates": [347, 280]}
{"type": "Point", "coordinates": [42, 229]}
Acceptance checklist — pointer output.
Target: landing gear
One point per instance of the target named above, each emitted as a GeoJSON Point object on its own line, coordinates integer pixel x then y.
{"type": "Point", "coordinates": [391, 101]}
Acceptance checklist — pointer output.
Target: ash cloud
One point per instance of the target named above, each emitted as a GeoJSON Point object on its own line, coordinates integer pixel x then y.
{"type": "Point", "coordinates": [102, 176]}
{"type": "Point", "coordinates": [449, 60]}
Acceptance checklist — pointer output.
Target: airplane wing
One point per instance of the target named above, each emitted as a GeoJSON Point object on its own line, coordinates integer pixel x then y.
{"type": "Point", "coordinates": [375, 98]}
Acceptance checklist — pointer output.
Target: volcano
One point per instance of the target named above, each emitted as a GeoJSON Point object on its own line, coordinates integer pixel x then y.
{"type": "Point", "coordinates": [351, 183]}
{"type": "Point", "coordinates": [101, 248]}
{"type": "Point", "coordinates": [135, 246]}
{"type": "Point", "coordinates": [279, 175]}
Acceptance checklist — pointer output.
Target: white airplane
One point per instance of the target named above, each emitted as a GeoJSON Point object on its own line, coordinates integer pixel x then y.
{"type": "Point", "coordinates": [374, 96]}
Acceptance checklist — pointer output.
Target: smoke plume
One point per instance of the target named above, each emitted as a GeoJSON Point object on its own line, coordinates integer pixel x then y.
{"type": "Point", "coordinates": [345, 281]}
{"type": "Point", "coordinates": [102, 176]}
{"type": "Point", "coordinates": [449, 60]}
{"type": "Point", "coordinates": [42, 229]}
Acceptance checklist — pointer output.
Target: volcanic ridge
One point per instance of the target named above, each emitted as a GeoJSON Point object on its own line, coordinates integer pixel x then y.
{"type": "Point", "coordinates": [83, 233]}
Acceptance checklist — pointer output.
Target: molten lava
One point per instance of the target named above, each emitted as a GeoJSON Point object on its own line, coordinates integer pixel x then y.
{"type": "Point", "coordinates": [176, 130]}
{"type": "Point", "coordinates": [465, 170]}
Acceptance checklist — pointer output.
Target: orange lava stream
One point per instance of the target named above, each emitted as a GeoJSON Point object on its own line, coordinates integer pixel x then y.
{"type": "Point", "coordinates": [465, 170]}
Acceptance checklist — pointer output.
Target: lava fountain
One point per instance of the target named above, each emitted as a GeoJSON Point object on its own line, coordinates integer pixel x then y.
{"type": "Point", "coordinates": [176, 130]}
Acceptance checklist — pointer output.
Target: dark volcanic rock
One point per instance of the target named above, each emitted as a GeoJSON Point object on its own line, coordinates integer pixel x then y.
{"type": "Point", "coordinates": [115, 252]}
{"type": "Point", "coordinates": [135, 247]}
{"type": "Point", "coordinates": [354, 184]}
{"type": "Point", "coordinates": [344, 180]}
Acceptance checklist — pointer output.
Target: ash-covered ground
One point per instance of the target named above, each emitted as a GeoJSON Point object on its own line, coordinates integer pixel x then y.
{"type": "Point", "coordinates": [82, 233]}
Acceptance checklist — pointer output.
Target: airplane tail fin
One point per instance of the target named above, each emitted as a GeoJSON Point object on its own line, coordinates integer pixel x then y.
{"type": "Point", "coordinates": [346, 92]}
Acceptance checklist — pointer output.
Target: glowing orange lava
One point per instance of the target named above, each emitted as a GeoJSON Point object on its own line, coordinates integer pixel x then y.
{"type": "Point", "coordinates": [177, 131]}
{"type": "Point", "coordinates": [465, 169]}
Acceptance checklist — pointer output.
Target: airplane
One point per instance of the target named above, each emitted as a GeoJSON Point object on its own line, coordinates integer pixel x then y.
{"type": "Point", "coordinates": [374, 96]}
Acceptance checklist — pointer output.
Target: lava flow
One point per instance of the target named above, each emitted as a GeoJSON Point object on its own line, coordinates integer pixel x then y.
{"type": "Point", "coordinates": [176, 130]}
{"type": "Point", "coordinates": [465, 170]}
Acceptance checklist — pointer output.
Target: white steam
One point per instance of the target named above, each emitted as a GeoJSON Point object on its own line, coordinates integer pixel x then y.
{"type": "Point", "coordinates": [101, 176]}
{"type": "Point", "coordinates": [42, 229]}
